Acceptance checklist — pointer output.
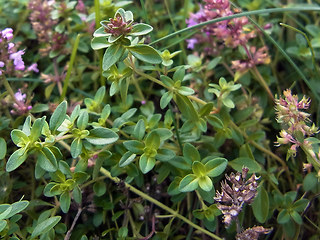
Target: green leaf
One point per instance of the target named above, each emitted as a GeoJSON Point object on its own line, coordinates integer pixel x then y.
{"type": "Point", "coordinates": [165, 155]}
{"type": "Point", "coordinates": [3, 148]}
{"type": "Point", "coordinates": [188, 183]}
{"type": "Point", "coordinates": [112, 55]}
{"type": "Point", "coordinates": [19, 138]}
{"type": "Point", "coordinates": [65, 201]}
{"type": "Point", "coordinates": [139, 130]}
{"type": "Point", "coordinates": [44, 226]}
{"type": "Point", "coordinates": [99, 188]}
{"type": "Point", "coordinates": [205, 183]}
{"type": "Point", "coordinates": [181, 163]}
{"type": "Point", "coordinates": [140, 29]}
{"type": "Point", "coordinates": [165, 99]}
{"type": "Point", "coordinates": [134, 146]}
{"type": "Point", "coordinates": [99, 96]}
{"type": "Point", "coordinates": [146, 163]}
{"type": "Point", "coordinates": [126, 159]}
{"type": "Point", "coordinates": [215, 122]}
{"type": "Point", "coordinates": [199, 169]}
{"type": "Point", "coordinates": [47, 160]}
{"type": "Point", "coordinates": [213, 63]}
{"type": "Point", "coordinates": [186, 107]}
{"type": "Point", "coordinates": [300, 205]}
{"type": "Point", "coordinates": [173, 188]}
{"type": "Point", "coordinates": [228, 102]}
{"type": "Point", "coordinates": [102, 136]}
{"type": "Point", "coordinates": [145, 53]}
{"type": "Point", "coordinates": [186, 91]}
{"type": "Point", "coordinates": [99, 43]}
{"type": "Point", "coordinates": [207, 196]}
{"type": "Point", "coordinates": [296, 217]}
{"type": "Point", "coordinates": [216, 166]}
{"type": "Point", "coordinates": [260, 206]}
{"type": "Point", "coordinates": [3, 224]}
{"type": "Point", "coordinates": [16, 159]}
{"type": "Point", "coordinates": [190, 152]}
{"type": "Point", "coordinates": [238, 163]}
{"type": "Point", "coordinates": [205, 109]}
{"type": "Point", "coordinates": [58, 116]}
{"type": "Point", "coordinates": [310, 181]}
{"type": "Point", "coordinates": [58, 176]}
{"type": "Point", "coordinates": [77, 194]}
{"type": "Point", "coordinates": [36, 129]}
{"type": "Point", "coordinates": [39, 107]}
{"type": "Point", "coordinates": [27, 126]}
{"type": "Point", "coordinates": [152, 140]}
{"type": "Point", "coordinates": [5, 211]}
{"type": "Point", "coordinates": [283, 216]}
{"type": "Point", "coordinates": [101, 33]}
{"type": "Point", "coordinates": [83, 119]}
{"type": "Point", "coordinates": [18, 207]}
{"type": "Point", "coordinates": [76, 147]}
{"type": "Point", "coordinates": [163, 133]}
{"type": "Point", "coordinates": [167, 81]}
{"type": "Point", "coordinates": [179, 74]}
{"type": "Point", "coordinates": [80, 177]}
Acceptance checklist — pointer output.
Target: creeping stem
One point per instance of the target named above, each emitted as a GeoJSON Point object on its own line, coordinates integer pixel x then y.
{"type": "Point", "coordinates": [159, 204]}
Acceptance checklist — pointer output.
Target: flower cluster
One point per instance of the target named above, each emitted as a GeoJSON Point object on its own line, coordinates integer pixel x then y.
{"type": "Point", "coordinates": [232, 198]}
{"type": "Point", "coordinates": [288, 111]}
{"type": "Point", "coordinates": [256, 57]}
{"type": "Point", "coordinates": [43, 24]}
{"type": "Point", "coordinates": [21, 106]}
{"type": "Point", "coordinates": [10, 57]}
{"type": "Point", "coordinates": [252, 233]}
{"type": "Point", "coordinates": [231, 33]}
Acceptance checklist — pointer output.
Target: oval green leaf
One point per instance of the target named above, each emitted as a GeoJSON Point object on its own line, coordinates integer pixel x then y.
{"type": "Point", "coordinates": [45, 226]}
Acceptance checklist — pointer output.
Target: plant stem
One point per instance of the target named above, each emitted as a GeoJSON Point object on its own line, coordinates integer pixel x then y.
{"type": "Point", "coordinates": [159, 204]}
{"type": "Point", "coordinates": [262, 82]}
{"type": "Point", "coordinates": [266, 151]}
{"type": "Point", "coordinates": [70, 66]}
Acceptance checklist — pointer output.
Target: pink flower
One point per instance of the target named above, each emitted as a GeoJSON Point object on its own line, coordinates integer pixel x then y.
{"type": "Point", "coordinates": [17, 60]}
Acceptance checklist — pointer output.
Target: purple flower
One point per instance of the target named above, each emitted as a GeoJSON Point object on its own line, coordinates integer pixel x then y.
{"type": "Point", "coordinates": [10, 46]}
{"type": "Point", "coordinates": [7, 33]}
{"type": "Point", "coordinates": [19, 96]}
{"type": "Point", "coordinates": [20, 106]}
{"type": "Point", "coordinates": [33, 67]}
{"type": "Point", "coordinates": [191, 42]}
{"type": "Point", "coordinates": [17, 60]}
{"type": "Point", "coordinates": [1, 65]}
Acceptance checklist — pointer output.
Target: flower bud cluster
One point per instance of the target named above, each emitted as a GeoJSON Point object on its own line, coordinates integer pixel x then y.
{"type": "Point", "coordinates": [232, 198]}
{"type": "Point", "coordinates": [118, 26]}
{"type": "Point", "coordinates": [289, 114]}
